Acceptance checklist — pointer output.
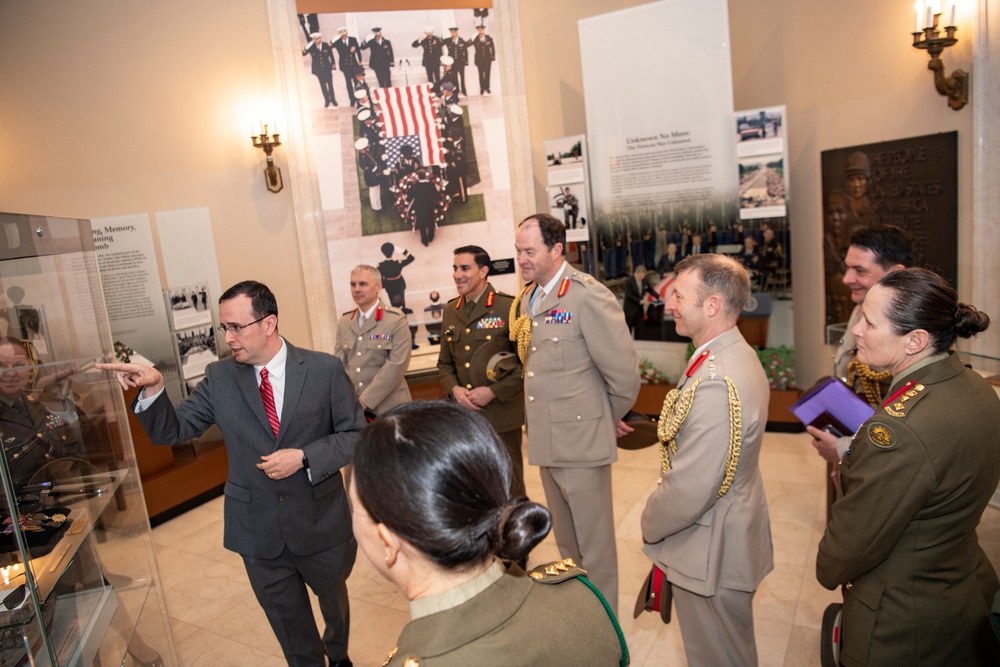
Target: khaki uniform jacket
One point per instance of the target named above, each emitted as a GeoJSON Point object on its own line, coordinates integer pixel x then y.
{"type": "Point", "coordinates": [903, 538]}
{"type": "Point", "coordinates": [464, 334]}
{"type": "Point", "coordinates": [581, 374]}
{"type": "Point", "coordinates": [516, 621]}
{"type": "Point", "coordinates": [701, 541]}
{"type": "Point", "coordinates": [376, 356]}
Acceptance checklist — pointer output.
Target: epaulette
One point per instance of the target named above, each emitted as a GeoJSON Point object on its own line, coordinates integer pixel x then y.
{"type": "Point", "coordinates": [556, 572]}
{"type": "Point", "coordinates": [900, 403]}
{"type": "Point", "coordinates": [583, 278]}
{"type": "Point", "coordinates": [455, 299]}
{"type": "Point", "coordinates": [349, 312]}
{"type": "Point", "coordinates": [394, 310]}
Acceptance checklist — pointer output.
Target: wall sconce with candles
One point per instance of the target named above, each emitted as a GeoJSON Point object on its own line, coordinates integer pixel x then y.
{"type": "Point", "coordinates": [955, 86]}
{"type": "Point", "coordinates": [267, 142]}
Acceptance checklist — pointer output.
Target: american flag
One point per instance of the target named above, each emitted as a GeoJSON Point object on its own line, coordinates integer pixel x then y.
{"type": "Point", "coordinates": [409, 111]}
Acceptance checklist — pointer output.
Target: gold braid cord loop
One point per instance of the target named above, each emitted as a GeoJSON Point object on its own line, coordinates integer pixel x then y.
{"type": "Point", "coordinates": [675, 410]}
{"type": "Point", "coordinates": [520, 328]}
{"type": "Point", "coordinates": [735, 437]}
{"type": "Point", "coordinates": [871, 381]}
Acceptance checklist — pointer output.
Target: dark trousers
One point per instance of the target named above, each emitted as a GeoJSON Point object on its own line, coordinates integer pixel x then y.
{"type": "Point", "coordinates": [280, 587]}
{"type": "Point", "coordinates": [384, 77]}
{"type": "Point", "coordinates": [461, 80]}
{"type": "Point", "coordinates": [433, 73]}
{"type": "Point", "coordinates": [484, 78]}
{"type": "Point", "coordinates": [326, 85]}
{"type": "Point", "coordinates": [426, 233]}
{"type": "Point", "coordinates": [349, 82]}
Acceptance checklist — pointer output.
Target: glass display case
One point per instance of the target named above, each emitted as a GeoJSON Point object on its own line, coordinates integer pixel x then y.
{"type": "Point", "coordinates": [78, 576]}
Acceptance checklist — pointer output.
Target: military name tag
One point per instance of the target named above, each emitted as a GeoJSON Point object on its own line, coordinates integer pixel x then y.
{"type": "Point", "coordinates": [559, 317]}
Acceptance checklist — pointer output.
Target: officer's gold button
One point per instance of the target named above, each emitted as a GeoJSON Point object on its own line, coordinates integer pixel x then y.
{"type": "Point", "coordinates": [533, 349]}
{"type": "Point", "coordinates": [555, 339]}
{"type": "Point", "coordinates": [489, 337]}
{"type": "Point", "coordinates": [531, 374]}
{"type": "Point", "coordinates": [468, 330]}
{"type": "Point", "coordinates": [361, 337]}
{"type": "Point", "coordinates": [361, 384]}
{"type": "Point", "coordinates": [357, 370]}
{"type": "Point", "coordinates": [468, 386]}
{"type": "Point", "coordinates": [466, 348]}
{"type": "Point", "coordinates": [849, 585]}
{"type": "Point", "coordinates": [534, 324]}
{"type": "Point", "coordinates": [466, 364]}
{"type": "Point", "coordinates": [531, 399]}
{"type": "Point", "coordinates": [359, 354]}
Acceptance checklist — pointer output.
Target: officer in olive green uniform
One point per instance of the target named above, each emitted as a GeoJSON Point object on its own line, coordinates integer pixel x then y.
{"type": "Point", "coordinates": [477, 357]}
{"type": "Point", "coordinates": [374, 344]}
{"type": "Point", "coordinates": [550, 617]}
{"type": "Point", "coordinates": [916, 480]}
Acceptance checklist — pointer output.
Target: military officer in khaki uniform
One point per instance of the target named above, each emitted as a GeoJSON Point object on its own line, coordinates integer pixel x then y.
{"type": "Point", "coordinates": [581, 377]}
{"type": "Point", "coordinates": [706, 524]}
{"type": "Point", "coordinates": [374, 344]}
{"type": "Point", "coordinates": [478, 365]}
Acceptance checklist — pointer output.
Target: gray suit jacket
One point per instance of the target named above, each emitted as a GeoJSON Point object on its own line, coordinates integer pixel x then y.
{"type": "Point", "coordinates": [581, 374]}
{"type": "Point", "coordinates": [701, 541]}
{"type": "Point", "coordinates": [320, 415]}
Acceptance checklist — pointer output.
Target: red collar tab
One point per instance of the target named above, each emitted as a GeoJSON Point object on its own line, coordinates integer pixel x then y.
{"type": "Point", "coordinates": [696, 363]}
{"type": "Point", "coordinates": [527, 287]}
{"type": "Point", "coordinates": [489, 299]}
{"type": "Point", "coordinates": [564, 287]}
{"type": "Point", "coordinates": [902, 390]}
{"type": "Point", "coordinates": [461, 300]}
{"type": "Point", "coordinates": [378, 314]}
{"type": "Point", "coordinates": [355, 313]}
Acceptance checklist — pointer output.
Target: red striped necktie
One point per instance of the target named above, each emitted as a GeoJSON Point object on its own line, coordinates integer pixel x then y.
{"type": "Point", "coordinates": [267, 395]}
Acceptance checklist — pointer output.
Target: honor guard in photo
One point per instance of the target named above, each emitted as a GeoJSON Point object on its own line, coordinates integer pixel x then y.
{"type": "Point", "coordinates": [458, 49]}
{"type": "Point", "coordinates": [372, 171]}
{"type": "Point", "coordinates": [391, 270]}
{"type": "Point", "coordinates": [381, 58]}
{"type": "Point", "coordinates": [374, 344]}
{"type": "Point", "coordinates": [448, 74]}
{"type": "Point", "coordinates": [431, 61]}
{"type": "Point", "coordinates": [486, 53]}
{"type": "Point", "coordinates": [362, 93]}
{"type": "Point", "coordinates": [350, 59]}
{"type": "Point", "coordinates": [323, 64]}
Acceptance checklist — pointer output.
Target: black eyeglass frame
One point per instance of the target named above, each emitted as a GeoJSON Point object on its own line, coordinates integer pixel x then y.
{"type": "Point", "coordinates": [237, 329]}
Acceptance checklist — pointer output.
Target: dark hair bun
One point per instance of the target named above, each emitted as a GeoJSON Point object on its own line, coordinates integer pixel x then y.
{"type": "Point", "coordinates": [526, 525]}
{"type": "Point", "coordinates": [969, 321]}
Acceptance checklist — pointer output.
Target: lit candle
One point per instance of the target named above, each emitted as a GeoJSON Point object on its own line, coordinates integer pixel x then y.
{"type": "Point", "coordinates": [951, 19]}
{"type": "Point", "coordinates": [916, 10]}
{"type": "Point", "coordinates": [252, 133]}
{"type": "Point", "coordinates": [929, 21]}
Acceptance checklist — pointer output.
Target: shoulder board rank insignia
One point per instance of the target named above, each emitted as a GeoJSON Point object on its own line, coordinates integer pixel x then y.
{"type": "Point", "coordinates": [411, 662]}
{"type": "Point", "coordinates": [895, 405]}
{"type": "Point", "coordinates": [388, 658]}
{"type": "Point", "coordinates": [489, 299]}
{"type": "Point", "coordinates": [556, 572]}
{"type": "Point", "coordinates": [881, 435]}
{"type": "Point", "coordinates": [352, 313]}
{"type": "Point", "coordinates": [564, 287]}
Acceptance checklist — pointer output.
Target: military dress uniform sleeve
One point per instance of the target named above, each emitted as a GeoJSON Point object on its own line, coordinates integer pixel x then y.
{"type": "Point", "coordinates": [446, 358]}
{"type": "Point", "coordinates": [610, 347]}
{"type": "Point", "coordinates": [393, 371]}
{"type": "Point", "coordinates": [343, 325]}
{"type": "Point", "coordinates": [885, 487]}
{"type": "Point", "coordinates": [510, 386]}
{"type": "Point", "coordinates": [691, 486]}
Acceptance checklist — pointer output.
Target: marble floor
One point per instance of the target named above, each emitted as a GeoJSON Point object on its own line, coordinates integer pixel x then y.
{"type": "Point", "coordinates": [216, 620]}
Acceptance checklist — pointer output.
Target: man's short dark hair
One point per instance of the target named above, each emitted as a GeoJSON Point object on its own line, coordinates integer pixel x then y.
{"type": "Point", "coordinates": [261, 297]}
{"type": "Point", "coordinates": [890, 244]}
{"type": "Point", "coordinates": [481, 256]}
{"type": "Point", "coordinates": [553, 229]}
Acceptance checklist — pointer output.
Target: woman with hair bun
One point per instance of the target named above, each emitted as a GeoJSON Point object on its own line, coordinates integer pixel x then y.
{"type": "Point", "coordinates": [433, 514]}
{"type": "Point", "coordinates": [917, 478]}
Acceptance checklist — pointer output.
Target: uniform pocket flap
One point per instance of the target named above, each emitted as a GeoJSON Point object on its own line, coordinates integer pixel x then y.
{"type": "Point", "coordinates": [867, 591]}
{"type": "Point", "coordinates": [575, 410]}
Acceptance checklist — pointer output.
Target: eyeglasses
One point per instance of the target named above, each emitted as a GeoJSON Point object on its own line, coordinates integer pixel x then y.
{"type": "Point", "coordinates": [237, 329]}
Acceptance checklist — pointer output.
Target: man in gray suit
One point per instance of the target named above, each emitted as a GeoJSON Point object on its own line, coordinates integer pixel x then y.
{"type": "Point", "coordinates": [706, 525]}
{"type": "Point", "coordinates": [581, 377]}
{"type": "Point", "coordinates": [290, 420]}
